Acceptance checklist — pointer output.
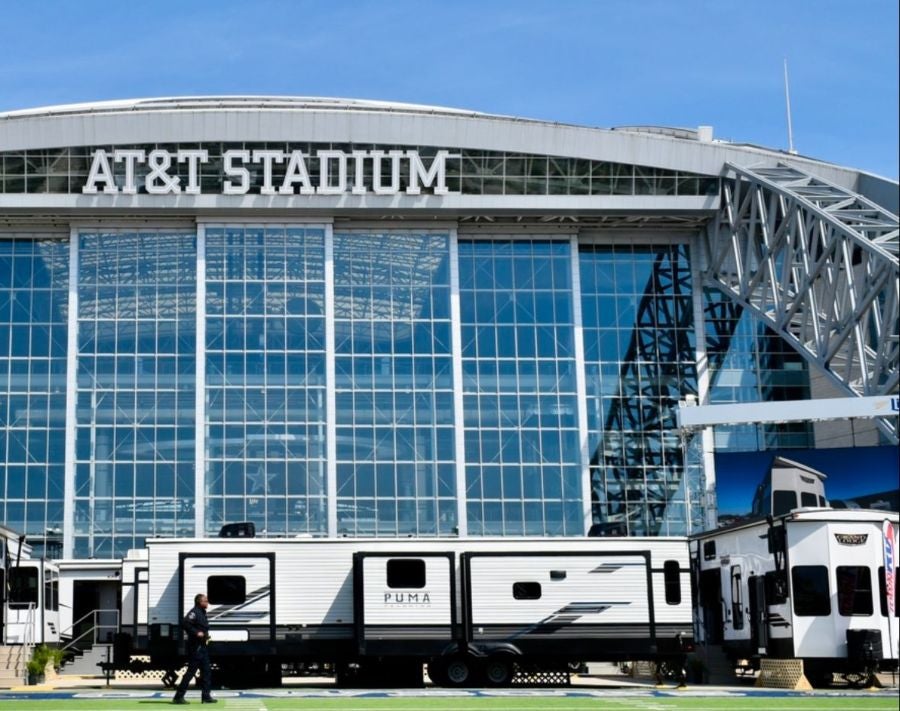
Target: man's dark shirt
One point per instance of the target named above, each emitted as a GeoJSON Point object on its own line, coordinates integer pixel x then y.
{"type": "Point", "coordinates": [195, 621]}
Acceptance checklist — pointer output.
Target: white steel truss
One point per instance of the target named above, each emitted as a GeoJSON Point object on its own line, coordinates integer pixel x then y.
{"type": "Point", "coordinates": [819, 265]}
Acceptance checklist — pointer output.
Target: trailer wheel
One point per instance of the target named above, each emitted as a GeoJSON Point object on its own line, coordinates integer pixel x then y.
{"type": "Point", "coordinates": [498, 671]}
{"type": "Point", "coordinates": [458, 671]}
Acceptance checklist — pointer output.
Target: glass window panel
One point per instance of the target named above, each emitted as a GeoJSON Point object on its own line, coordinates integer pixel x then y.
{"type": "Point", "coordinates": [512, 339]}
{"type": "Point", "coordinates": [398, 286]}
{"type": "Point", "coordinates": [631, 398]}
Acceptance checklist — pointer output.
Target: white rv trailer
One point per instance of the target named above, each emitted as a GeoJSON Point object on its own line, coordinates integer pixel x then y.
{"type": "Point", "coordinates": [29, 594]}
{"type": "Point", "coordinates": [809, 584]}
{"type": "Point", "coordinates": [470, 609]}
{"type": "Point", "coordinates": [789, 485]}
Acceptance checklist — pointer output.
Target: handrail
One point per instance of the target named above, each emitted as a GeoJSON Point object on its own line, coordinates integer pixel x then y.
{"type": "Point", "coordinates": [28, 639]}
{"type": "Point", "coordinates": [81, 619]}
{"type": "Point", "coordinates": [95, 627]}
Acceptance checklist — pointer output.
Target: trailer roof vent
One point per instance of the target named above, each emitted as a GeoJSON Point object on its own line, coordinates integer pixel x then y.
{"type": "Point", "coordinates": [244, 529]}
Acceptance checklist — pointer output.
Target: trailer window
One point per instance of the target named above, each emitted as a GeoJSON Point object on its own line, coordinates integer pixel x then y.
{"type": "Point", "coordinates": [883, 590]}
{"type": "Point", "coordinates": [807, 498]}
{"type": "Point", "coordinates": [783, 502]}
{"type": "Point", "coordinates": [406, 573]}
{"type": "Point", "coordinates": [51, 593]}
{"type": "Point", "coordinates": [226, 589]}
{"type": "Point", "coordinates": [526, 591]}
{"type": "Point", "coordinates": [23, 587]}
{"type": "Point", "coordinates": [672, 579]}
{"type": "Point", "coordinates": [812, 597]}
{"type": "Point", "coordinates": [854, 590]}
{"type": "Point", "coordinates": [737, 599]}
{"type": "Point", "coordinates": [709, 550]}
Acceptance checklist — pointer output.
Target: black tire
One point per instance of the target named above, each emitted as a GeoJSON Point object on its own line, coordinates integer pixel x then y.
{"type": "Point", "coordinates": [498, 671]}
{"type": "Point", "coordinates": [459, 671]}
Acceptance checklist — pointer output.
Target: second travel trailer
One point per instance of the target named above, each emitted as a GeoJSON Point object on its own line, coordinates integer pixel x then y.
{"type": "Point", "coordinates": [472, 610]}
{"type": "Point", "coordinates": [809, 584]}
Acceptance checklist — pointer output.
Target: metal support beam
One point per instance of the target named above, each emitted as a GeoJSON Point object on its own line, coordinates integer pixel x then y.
{"type": "Point", "coordinates": [819, 265]}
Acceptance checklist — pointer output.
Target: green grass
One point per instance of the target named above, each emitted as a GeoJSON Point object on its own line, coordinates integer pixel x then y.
{"type": "Point", "coordinates": [861, 702]}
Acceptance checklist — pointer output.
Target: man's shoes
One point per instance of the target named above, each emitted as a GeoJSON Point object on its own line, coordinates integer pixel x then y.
{"type": "Point", "coordinates": [180, 700]}
{"type": "Point", "coordinates": [209, 700]}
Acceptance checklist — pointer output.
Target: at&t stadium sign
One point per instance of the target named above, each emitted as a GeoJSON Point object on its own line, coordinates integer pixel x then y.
{"type": "Point", "coordinates": [358, 172]}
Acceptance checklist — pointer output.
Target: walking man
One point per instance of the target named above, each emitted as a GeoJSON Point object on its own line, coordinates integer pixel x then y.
{"type": "Point", "coordinates": [196, 626]}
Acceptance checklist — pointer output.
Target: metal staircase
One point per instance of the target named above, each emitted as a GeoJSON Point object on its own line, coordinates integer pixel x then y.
{"type": "Point", "coordinates": [91, 642]}
{"type": "Point", "coordinates": [819, 265]}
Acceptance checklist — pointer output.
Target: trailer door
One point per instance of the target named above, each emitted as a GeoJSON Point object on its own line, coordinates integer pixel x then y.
{"type": "Point", "coordinates": [404, 603]}
{"type": "Point", "coordinates": [241, 592]}
{"type": "Point", "coordinates": [759, 617]}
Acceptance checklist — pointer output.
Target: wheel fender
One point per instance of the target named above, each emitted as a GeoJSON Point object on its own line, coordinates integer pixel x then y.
{"type": "Point", "coordinates": [450, 650]}
{"type": "Point", "coordinates": [495, 650]}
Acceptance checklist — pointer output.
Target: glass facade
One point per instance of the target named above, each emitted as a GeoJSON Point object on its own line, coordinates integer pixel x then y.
{"type": "Point", "coordinates": [265, 378]}
{"type": "Point", "coordinates": [522, 456]}
{"type": "Point", "coordinates": [34, 282]}
{"type": "Point", "coordinates": [639, 346]}
{"type": "Point", "coordinates": [394, 423]}
{"type": "Point", "coordinates": [332, 357]}
{"type": "Point", "coordinates": [134, 435]}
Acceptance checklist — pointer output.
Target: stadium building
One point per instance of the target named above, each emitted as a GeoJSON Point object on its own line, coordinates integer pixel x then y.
{"type": "Point", "coordinates": [353, 318]}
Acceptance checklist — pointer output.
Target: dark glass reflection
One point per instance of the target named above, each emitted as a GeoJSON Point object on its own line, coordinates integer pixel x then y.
{"type": "Point", "coordinates": [638, 323]}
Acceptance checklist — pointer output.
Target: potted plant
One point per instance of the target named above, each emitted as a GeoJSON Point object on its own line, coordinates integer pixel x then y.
{"type": "Point", "coordinates": [42, 657]}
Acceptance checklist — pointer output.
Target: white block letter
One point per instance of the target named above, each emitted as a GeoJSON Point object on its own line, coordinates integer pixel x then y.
{"type": "Point", "coordinates": [394, 187]}
{"type": "Point", "coordinates": [232, 171]}
{"type": "Point", "coordinates": [193, 158]}
{"type": "Point", "coordinates": [325, 172]}
{"type": "Point", "coordinates": [158, 180]}
{"type": "Point", "coordinates": [129, 157]}
{"type": "Point", "coordinates": [100, 172]}
{"type": "Point", "coordinates": [267, 157]}
{"type": "Point", "coordinates": [359, 164]}
{"type": "Point", "coordinates": [435, 176]}
{"type": "Point", "coordinates": [296, 173]}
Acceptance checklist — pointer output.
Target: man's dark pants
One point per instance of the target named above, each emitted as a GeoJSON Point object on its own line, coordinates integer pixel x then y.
{"type": "Point", "coordinates": [198, 659]}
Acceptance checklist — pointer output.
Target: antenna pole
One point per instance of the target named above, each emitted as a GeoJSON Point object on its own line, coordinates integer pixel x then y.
{"type": "Point", "coordinates": [787, 101]}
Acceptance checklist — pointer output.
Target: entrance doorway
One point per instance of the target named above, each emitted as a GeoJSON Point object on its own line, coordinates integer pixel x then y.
{"type": "Point", "coordinates": [711, 604]}
{"type": "Point", "coordinates": [95, 605]}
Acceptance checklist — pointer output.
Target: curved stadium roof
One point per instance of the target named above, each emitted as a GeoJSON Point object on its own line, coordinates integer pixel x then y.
{"type": "Point", "coordinates": [325, 119]}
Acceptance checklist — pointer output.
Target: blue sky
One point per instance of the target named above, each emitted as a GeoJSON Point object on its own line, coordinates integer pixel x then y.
{"type": "Point", "coordinates": [593, 62]}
